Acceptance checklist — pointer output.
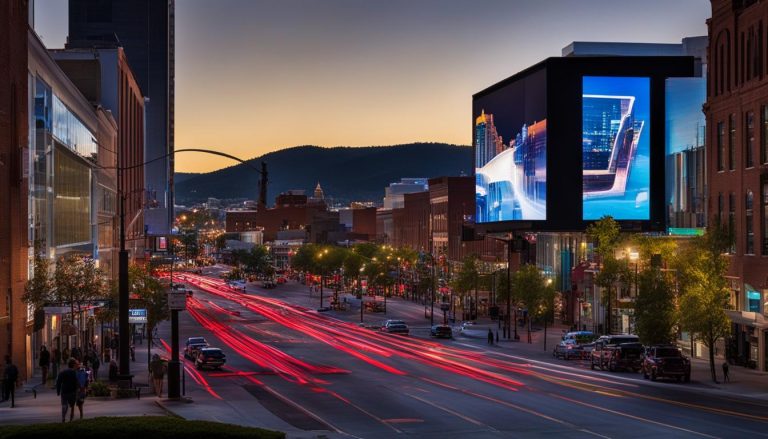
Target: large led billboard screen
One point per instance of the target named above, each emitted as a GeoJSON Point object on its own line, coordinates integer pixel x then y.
{"type": "Point", "coordinates": [510, 141]}
{"type": "Point", "coordinates": [616, 158]}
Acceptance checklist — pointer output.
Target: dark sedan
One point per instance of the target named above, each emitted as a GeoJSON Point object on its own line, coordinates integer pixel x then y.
{"type": "Point", "coordinates": [441, 331]}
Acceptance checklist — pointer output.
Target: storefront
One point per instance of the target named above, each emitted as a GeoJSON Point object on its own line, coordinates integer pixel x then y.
{"type": "Point", "coordinates": [747, 344]}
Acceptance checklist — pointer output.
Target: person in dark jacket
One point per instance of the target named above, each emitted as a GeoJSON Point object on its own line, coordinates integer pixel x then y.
{"type": "Point", "coordinates": [67, 386]}
{"type": "Point", "coordinates": [10, 376]}
{"type": "Point", "coordinates": [45, 361]}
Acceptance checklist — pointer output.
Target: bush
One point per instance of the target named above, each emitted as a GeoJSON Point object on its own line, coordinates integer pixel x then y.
{"type": "Point", "coordinates": [98, 388]}
{"type": "Point", "coordinates": [139, 426]}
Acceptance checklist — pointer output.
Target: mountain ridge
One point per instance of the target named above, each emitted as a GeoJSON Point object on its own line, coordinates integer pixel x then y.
{"type": "Point", "coordinates": [345, 173]}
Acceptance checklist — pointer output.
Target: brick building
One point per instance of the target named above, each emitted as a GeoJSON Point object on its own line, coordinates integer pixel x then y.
{"type": "Point", "coordinates": [14, 138]}
{"type": "Point", "coordinates": [451, 200]}
{"type": "Point", "coordinates": [737, 161]}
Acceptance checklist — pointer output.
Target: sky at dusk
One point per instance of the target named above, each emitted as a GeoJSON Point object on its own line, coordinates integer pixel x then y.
{"type": "Point", "coordinates": [256, 76]}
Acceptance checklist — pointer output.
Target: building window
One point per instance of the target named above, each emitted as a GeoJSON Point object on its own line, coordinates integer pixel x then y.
{"type": "Point", "coordinates": [749, 141]}
{"type": "Point", "coordinates": [731, 142]}
{"type": "Point", "coordinates": [764, 134]}
{"type": "Point", "coordinates": [765, 218]}
{"type": "Point", "coordinates": [749, 231]}
{"type": "Point", "coordinates": [720, 146]}
{"type": "Point", "coordinates": [720, 209]}
{"type": "Point", "coordinates": [732, 221]}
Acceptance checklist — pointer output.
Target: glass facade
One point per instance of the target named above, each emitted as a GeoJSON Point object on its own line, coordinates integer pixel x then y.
{"type": "Point", "coordinates": [39, 183]}
{"type": "Point", "coordinates": [60, 179]}
{"type": "Point", "coordinates": [70, 131]}
{"type": "Point", "coordinates": [72, 199]}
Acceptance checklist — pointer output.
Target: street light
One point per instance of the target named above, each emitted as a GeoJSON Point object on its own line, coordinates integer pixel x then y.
{"type": "Point", "coordinates": [174, 366]}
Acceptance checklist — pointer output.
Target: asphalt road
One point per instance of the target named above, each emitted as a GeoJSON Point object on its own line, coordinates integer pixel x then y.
{"type": "Point", "coordinates": [309, 371]}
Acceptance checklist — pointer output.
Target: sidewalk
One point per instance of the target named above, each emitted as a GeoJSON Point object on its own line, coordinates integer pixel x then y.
{"type": "Point", "coordinates": [47, 407]}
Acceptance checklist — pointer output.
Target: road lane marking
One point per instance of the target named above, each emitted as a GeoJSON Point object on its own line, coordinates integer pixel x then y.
{"type": "Point", "coordinates": [514, 406]}
{"type": "Point", "coordinates": [627, 415]}
{"type": "Point", "coordinates": [452, 412]}
{"type": "Point", "coordinates": [584, 386]}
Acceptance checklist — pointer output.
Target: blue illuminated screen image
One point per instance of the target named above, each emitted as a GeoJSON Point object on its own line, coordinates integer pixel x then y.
{"type": "Point", "coordinates": [510, 140]}
{"type": "Point", "coordinates": [616, 157]}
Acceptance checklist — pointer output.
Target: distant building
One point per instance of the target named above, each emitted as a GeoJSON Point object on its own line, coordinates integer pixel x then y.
{"type": "Point", "coordinates": [145, 31]}
{"type": "Point", "coordinates": [238, 221]}
{"type": "Point", "coordinates": [393, 194]}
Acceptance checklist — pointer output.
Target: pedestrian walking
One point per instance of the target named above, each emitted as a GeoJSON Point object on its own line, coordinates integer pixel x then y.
{"type": "Point", "coordinates": [95, 363]}
{"type": "Point", "coordinates": [10, 376]}
{"type": "Point", "coordinates": [45, 361]}
{"type": "Point", "coordinates": [115, 344]}
{"type": "Point", "coordinates": [67, 387]}
{"type": "Point", "coordinates": [490, 337]}
{"type": "Point", "coordinates": [113, 369]}
{"type": "Point", "coordinates": [82, 391]}
{"type": "Point", "coordinates": [726, 379]}
{"type": "Point", "coordinates": [65, 355]}
{"type": "Point", "coordinates": [158, 368]}
{"type": "Point", "coordinates": [56, 360]}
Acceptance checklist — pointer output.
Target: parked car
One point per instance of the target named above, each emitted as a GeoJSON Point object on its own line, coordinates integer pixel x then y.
{"type": "Point", "coordinates": [268, 284]}
{"type": "Point", "coordinates": [193, 345]}
{"type": "Point", "coordinates": [210, 357]}
{"type": "Point", "coordinates": [626, 356]}
{"type": "Point", "coordinates": [466, 325]}
{"type": "Point", "coordinates": [395, 327]}
{"type": "Point", "coordinates": [666, 361]}
{"type": "Point", "coordinates": [282, 280]}
{"type": "Point", "coordinates": [571, 346]}
{"type": "Point", "coordinates": [441, 331]}
{"type": "Point", "coordinates": [604, 347]}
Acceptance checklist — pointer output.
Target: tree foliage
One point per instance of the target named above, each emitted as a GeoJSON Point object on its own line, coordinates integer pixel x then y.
{"type": "Point", "coordinates": [37, 291]}
{"type": "Point", "coordinates": [655, 315]}
{"type": "Point", "coordinates": [77, 282]}
{"type": "Point", "coordinates": [150, 292]}
{"type": "Point", "coordinates": [704, 292]}
{"type": "Point", "coordinates": [605, 234]}
{"type": "Point", "coordinates": [534, 292]}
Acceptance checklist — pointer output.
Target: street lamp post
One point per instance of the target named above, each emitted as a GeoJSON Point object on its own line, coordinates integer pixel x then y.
{"type": "Point", "coordinates": [124, 374]}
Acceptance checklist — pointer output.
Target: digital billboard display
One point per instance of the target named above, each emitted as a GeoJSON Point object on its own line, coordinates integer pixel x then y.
{"type": "Point", "coordinates": [510, 144]}
{"type": "Point", "coordinates": [616, 151]}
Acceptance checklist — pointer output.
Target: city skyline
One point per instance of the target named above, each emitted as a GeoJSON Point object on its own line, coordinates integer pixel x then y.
{"type": "Point", "coordinates": [317, 62]}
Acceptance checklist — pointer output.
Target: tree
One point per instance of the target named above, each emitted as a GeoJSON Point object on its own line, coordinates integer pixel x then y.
{"type": "Point", "coordinates": [466, 279]}
{"type": "Point", "coordinates": [613, 273]}
{"type": "Point", "coordinates": [150, 292]}
{"type": "Point", "coordinates": [655, 313]}
{"type": "Point", "coordinates": [704, 293]}
{"type": "Point", "coordinates": [37, 291]}
{"type": "Point", "coordinates": [533, 291]}
{"type": "Point", "coordinates": [606, 234]}
{"type": "Point", "coordinates": [77, 282]}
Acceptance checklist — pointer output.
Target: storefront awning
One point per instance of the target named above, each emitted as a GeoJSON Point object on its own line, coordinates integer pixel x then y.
{"type": "Point", "coordinates": [746, 318]}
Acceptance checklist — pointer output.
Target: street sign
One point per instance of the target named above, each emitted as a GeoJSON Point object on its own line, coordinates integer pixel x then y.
{"type": "Point", "coordinates": [445, 306]}
{"type": "Point", "coordinates": [137, 316]}
{"type": "Point", "coordinates": [177, 300]}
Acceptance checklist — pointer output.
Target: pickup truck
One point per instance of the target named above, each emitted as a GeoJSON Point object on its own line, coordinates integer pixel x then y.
{"type": "Point", "coordinates": [605, 350]}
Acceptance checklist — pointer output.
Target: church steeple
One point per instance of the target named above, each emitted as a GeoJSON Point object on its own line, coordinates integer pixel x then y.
{"type": "Point", "coordinates": [319, 192]}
